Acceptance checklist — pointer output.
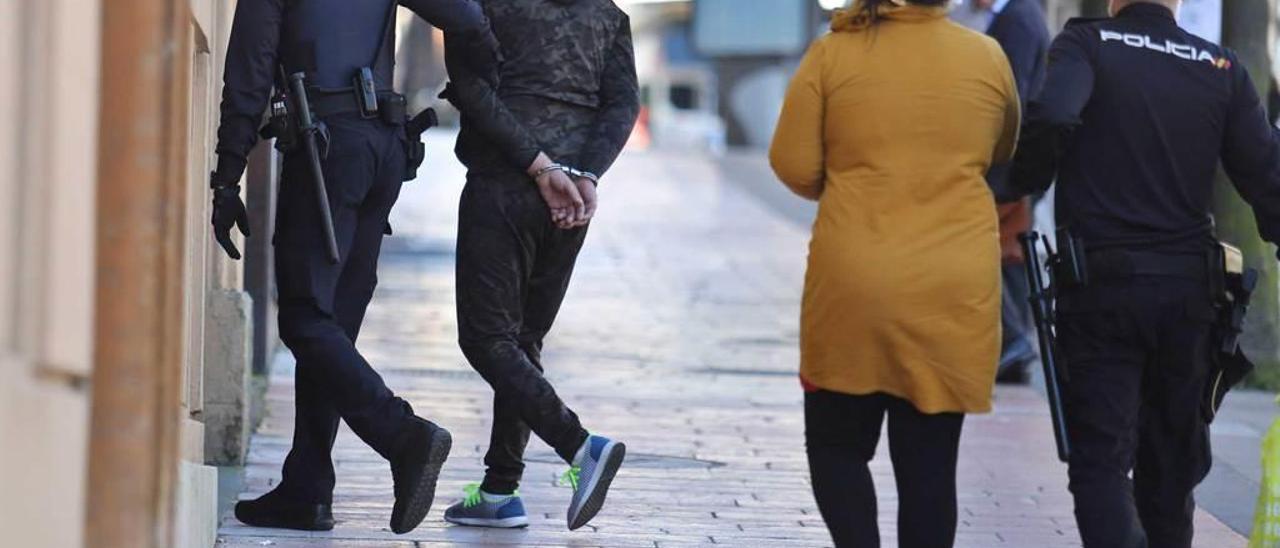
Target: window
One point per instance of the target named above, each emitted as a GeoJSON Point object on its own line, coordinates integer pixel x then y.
{"type": "Point", "coordinates": [752, 27]}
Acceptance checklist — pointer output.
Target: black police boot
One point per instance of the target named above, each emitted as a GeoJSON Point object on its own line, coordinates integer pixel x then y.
{"type": "Point", "coordinates": [275, 511]}
{"type": "Point", "coordinates": [415, 466]}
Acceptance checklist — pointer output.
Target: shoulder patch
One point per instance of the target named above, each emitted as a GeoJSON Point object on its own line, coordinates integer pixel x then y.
{"type": "Point", "coordinates": [1195, 52]}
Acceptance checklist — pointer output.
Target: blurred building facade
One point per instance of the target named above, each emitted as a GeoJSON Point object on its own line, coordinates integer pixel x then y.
{"type": "Point", "coordinates": [714, 72]}
{"type": "Point", "coordinates": [46, 264]}
{"type": "Point", "coordinates": [134, 352]}
{"type": "Point", "coordinates": [741, 53]}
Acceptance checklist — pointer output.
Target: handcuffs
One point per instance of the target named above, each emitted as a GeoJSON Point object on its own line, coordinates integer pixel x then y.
{"type": "Point", "coordinates": [570, 171]}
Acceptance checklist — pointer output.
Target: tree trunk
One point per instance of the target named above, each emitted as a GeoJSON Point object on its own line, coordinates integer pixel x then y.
{"type": "Point", "coordinates": [1246, 28]}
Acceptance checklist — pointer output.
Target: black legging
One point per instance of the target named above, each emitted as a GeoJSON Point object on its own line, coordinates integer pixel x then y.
{"type": "Point", "coordinates": [842, 430]}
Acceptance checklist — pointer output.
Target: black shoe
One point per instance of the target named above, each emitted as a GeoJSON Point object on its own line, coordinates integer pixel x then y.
{"type": "Point", "coordinates": [272, 510]}
{"type": "Point", "coordinates": [415, 467]}
{"type": "Point", "coordinates": [1017, 373]}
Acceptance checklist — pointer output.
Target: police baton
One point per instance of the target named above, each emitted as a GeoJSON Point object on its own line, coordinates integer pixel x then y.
{"type": "Point", "coordinates": [1042, 310]}
{"type": "Point", "coordinates": [307, 128]}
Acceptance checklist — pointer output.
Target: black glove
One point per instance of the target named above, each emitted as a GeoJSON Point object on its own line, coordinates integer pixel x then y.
{"type": "Point", "coordinates": [228, 211]}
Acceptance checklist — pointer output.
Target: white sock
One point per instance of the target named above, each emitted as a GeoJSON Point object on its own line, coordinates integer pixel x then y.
{"type": "Point", "coordinates": [581, 455]}
{"type": "Point", "coordinates": [492, 498]}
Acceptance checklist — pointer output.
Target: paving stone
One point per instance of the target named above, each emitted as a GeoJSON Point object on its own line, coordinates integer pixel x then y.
{"type": "Point", "coordinates": [278, 542]}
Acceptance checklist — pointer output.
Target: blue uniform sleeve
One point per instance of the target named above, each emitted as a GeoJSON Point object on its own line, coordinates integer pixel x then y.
{"type": "Point", "coordinates": [1053, 115]}
{"type": "Point", "coordinates": [619, 106]}
{"type": "Point", "coordinates": [464, 22]}
{"type": "Point", "coordinates": [448, 15]}
{"type": "Point", "coordinates": [246, 83]}
{"type": "Point", "coordinates": [1251, 154]}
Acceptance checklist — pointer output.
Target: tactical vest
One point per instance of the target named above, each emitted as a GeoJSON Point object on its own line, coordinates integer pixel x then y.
{"type": "Point", "coordinates": [332, 39]}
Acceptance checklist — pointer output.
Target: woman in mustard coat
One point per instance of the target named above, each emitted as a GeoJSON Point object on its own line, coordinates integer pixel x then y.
{"type": "Point", "coordinates": [891, 123]}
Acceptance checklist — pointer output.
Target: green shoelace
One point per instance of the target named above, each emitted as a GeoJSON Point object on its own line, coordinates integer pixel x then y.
{"type": "Point", "coordinates": [571, 477]}
{"type": "Point", "coordinates": [475, 497]}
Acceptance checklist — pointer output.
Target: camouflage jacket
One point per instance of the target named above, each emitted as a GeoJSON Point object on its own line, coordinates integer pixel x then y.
{"type": "Point", "coordinates": [567, 87]}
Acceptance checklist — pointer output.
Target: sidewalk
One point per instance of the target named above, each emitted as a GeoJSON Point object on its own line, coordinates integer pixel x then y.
{"type": "Point", "coordinates": [679, 337]}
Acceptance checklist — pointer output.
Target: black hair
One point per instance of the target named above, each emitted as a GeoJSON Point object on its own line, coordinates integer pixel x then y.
{"type": "Point", "coordinates": [868, 8]}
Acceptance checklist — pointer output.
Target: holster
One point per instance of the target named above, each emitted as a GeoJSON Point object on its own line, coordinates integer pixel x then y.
{"type": "Point", "coordinates": [1232, 285]}
{"type": "Point", "coordinates": [1228, 370]}
{"type": "Point", "coordinates": [415, 151]}
{"type": "Point", "coordinates": [393, 110]}
{"type": "Point", "coordinates": [281, 126]}
{"type": "Point", "coordinates": [1069, 264]}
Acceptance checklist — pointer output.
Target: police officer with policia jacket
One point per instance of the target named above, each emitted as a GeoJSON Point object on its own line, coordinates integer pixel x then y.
{"type": "Point", "coordinates": [342, 130]}
{"type": "Point", "coordinates": [1134, 117]}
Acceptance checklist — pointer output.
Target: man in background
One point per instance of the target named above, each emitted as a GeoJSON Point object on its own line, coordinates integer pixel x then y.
{"type": "Point", "coordinates": [1020, 29]}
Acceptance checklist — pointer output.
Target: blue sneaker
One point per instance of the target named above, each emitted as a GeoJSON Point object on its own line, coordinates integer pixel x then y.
{"type": "Point", "coordinates": [592, 472]}
{"type": "Point", "coordinates": [475, 511]}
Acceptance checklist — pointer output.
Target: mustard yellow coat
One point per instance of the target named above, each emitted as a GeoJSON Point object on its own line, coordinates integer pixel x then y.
{"type": "Point", "coordinates": [892, 128]}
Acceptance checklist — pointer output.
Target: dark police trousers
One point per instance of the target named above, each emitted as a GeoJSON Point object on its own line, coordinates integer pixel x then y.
{"type": "Point", "coordinates": [1137, 352]}
{"type": "Point", "coordinates": [513, 270]}
{"type": "Point", "coordinates": [322, 305]}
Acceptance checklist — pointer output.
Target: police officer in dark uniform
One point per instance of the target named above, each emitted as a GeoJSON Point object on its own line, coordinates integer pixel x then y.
{"type": "Point", "coordinates": [322, 301]}
{"type": "Point", "coordinates": [1134, 117]}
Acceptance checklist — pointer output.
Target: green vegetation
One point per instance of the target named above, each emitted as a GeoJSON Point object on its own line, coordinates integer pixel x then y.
{"type": "Point", "coordinates": [1246, 29]}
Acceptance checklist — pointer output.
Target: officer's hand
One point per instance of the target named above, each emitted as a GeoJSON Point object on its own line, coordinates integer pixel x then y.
{"type": "Point", "coordinates": [562, 197]}
{"type": "Point", "coordinates": [228, 211]}
{"type": "Point", "coordinates": [587, 189]}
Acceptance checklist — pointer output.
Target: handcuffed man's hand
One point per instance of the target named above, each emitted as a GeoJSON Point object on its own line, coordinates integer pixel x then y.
{"type": "Point", "coordinates": [562, 197]}
{"type": "Point", "coordinates": [229, 211]}
{"type": "Point", "coordinates": [587, 189]}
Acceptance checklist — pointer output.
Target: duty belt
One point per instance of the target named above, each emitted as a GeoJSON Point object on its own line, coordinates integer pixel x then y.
{"type": "Point", "coordinates": [326, 104]}
{"type": "Point", "coordinates": [1121, 264]}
